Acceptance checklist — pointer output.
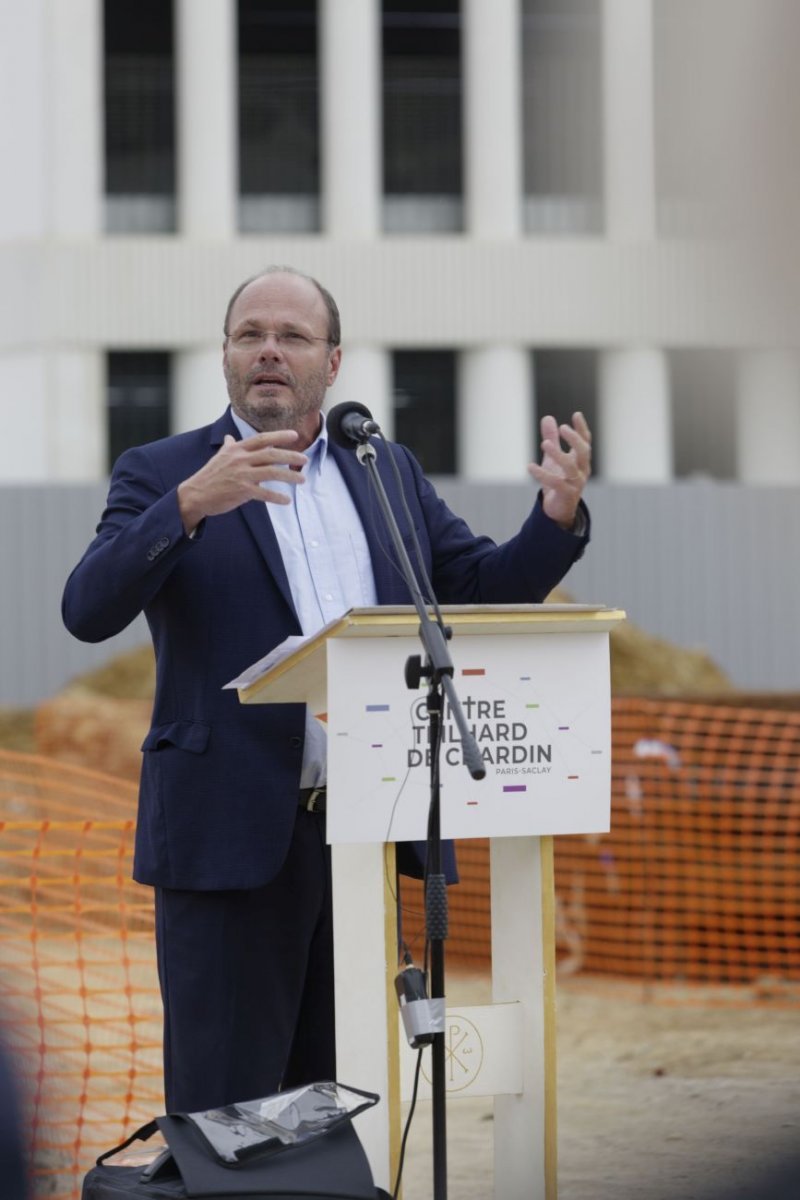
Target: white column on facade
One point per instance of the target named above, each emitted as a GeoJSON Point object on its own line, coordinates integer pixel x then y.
{"type": "Point", "coordinates": [492, 57]}
{"type": "Point", "coordinates": [634, 416]}
{"type": "Point", "coordinates": [51, 131]}
{"type": "Point", "coordinates": [23, 215]}
{"type": "Point", "coordinates": [365, 376]}
{"type": "Point", "coordinates": [23, 143]}
{"type": "Point", "coordinates": [50, 93]}
{"type": "Point", "coordinates": [55, 425]}
{"type": "Point", "coordinates": [208, 178]}
{"type": "Point", "coordinates": [350, 117]}
{"type": "Point", "coordinates": [496, 438]}
{"type": "Point", "coordinates": [75, 95]}
{"type": "Point", "coordinates": [495, 408]}
{"type": "Point", "coordinates": [76, 409]}
{"type": "Point", "coordinates": [634, 404]}
{"type": "Point", "coordinates": [77, 416]}
{"type": "Point", "coordinates": [768, 417]}
{"type": "Point", "coordinates": [629, 120]}
{"type": "Point", "coordinates": [23, 446]}
{"type": "Point", "coordinates": [199, 395]}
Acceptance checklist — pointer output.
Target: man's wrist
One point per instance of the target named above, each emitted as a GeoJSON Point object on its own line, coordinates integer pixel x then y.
{"type": "Point", "coordinates": [190, 512]}
{"type": "Point", "coordinates": [579, 524]}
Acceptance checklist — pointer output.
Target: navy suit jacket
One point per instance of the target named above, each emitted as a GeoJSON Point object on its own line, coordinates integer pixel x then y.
{"type": "Point", "coordinates": [219, 784]}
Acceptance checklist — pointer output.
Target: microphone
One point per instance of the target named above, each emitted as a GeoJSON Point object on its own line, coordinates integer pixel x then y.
{"type": "Point", "coordinates": [350, 424]}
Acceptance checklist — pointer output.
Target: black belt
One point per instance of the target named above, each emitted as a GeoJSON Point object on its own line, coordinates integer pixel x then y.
{"type": "Point", "coordinates": [313, 799]}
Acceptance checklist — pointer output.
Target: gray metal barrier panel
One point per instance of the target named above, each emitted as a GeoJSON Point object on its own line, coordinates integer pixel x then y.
{"type": "Point", "coordinates": [703, 564]}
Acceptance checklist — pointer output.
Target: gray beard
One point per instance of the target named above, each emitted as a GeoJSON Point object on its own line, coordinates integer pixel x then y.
{"type": "Point", "coordinates": [266, 418]}
{"type": "Point", "coordinates": [271, 414]}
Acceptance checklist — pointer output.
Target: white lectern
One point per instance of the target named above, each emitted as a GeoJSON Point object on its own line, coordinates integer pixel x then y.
{"type": "Point", "coordinates": [534, 683]}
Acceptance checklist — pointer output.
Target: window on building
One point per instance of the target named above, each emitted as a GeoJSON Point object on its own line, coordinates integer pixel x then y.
{"type": "Point", "coordinates": [278, 116]}
{"type": "Point", "coordinates": [138, 399]}
{"type": "Point", "coordinates": [425, 407]}
{"type": "Point", "coordinates": [565, 382]}
{"type": "Point", "coordinates": [139, 116]}
{"type": "Point", "coordinates": [562, 116]}
{"type": "Point", "coordinates": [422, 176]}
{"type": "Point", "coordinates": [703, 404]}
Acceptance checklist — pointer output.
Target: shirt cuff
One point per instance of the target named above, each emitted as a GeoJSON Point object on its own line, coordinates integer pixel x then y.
{"type": "Point", "coordinates": [579, 525]}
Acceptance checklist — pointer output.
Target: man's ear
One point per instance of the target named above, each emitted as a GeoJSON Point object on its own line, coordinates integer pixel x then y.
{"type": "Point", "coordinates": [333, 364]}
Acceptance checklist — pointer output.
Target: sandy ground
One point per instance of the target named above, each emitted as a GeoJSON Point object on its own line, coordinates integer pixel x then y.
{"type": "Point", "coordinates": [655, 1101]}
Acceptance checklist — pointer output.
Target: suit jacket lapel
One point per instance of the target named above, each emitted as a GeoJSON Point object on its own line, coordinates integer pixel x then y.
{"type": "Point", "coordinates": [389, 585]}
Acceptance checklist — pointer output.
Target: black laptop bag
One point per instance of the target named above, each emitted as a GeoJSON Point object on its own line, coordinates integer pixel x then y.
{"type": "Point", "coordinates": [331, 1165]}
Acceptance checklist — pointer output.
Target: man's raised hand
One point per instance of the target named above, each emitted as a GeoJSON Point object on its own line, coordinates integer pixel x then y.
{"type": "Point", "coordinates": [235, 474]}
{"type": "Point", "coordinates": [562, 474]}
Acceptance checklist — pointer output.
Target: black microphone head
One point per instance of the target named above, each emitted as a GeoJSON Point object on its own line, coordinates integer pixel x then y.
{"type": "Point", "coordinates": [346, 424]}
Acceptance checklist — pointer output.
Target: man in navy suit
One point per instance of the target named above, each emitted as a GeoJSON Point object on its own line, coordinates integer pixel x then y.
{"type": "Point", "coordinates": [231, 538]}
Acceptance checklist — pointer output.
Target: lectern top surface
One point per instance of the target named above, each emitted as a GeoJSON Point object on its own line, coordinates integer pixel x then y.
{"type": "Point", "coordinates": [308, 654]}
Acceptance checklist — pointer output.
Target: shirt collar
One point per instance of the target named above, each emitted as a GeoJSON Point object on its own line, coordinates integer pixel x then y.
{"type": "Point", "coordinates": [318, 448]}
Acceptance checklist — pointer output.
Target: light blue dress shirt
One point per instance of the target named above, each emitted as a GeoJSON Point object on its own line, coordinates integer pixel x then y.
{"type": "Point", "coordinates": [327, 561]}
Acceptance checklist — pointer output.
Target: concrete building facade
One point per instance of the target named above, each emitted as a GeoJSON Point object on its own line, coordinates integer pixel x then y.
{"type": "Point", "coordinates": [515, 202]}
{"type": "Point", "coordinates": [517, 264]}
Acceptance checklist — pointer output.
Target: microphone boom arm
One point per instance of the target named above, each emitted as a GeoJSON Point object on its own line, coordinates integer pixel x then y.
{"type": "Point", "coordinates": [432, 635]}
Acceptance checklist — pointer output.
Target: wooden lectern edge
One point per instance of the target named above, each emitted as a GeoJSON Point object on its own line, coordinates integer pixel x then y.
{"type": "Point", "coordinates": [548, 892]}
{"type": "Point", "coordinates": [402, 621]}
{"type": "Point", "coordinates": [393, 1098]}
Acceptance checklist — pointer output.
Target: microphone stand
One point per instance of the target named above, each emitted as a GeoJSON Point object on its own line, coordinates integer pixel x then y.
{"type": "Point", "coordinates": [438, 670]}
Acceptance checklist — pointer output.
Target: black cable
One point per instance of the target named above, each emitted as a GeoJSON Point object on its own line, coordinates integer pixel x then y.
{"type": "Point", "coordinates": [427, 586]}
{"type": "Point", "coordinates": [407, 1129]}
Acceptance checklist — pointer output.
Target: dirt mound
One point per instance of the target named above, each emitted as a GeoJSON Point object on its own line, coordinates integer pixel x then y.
{"type": "Point", "coordinates": [89, 729]}
{"type": "Point", "coordinates": [18, 730]}
{"type": "Point", "coordinates": [643, 665]}
{"type": "Point", "coordinates": [129, 676]}
{"type": "Point", "coordinates": [100, 718]}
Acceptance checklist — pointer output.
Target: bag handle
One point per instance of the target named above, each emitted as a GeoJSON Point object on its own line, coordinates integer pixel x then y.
{"type": "Point", "coordinates": [141, 1135]}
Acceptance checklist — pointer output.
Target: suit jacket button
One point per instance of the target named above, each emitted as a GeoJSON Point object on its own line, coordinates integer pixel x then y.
{"type": "Point", "coordinates": [295, 741]}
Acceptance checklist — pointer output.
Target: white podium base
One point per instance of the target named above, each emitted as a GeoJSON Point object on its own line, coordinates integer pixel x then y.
{"type": "Point", "coordinates": [505, 1050]}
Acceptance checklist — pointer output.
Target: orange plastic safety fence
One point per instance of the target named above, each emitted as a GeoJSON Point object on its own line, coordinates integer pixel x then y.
{"type": "Point", "coordinates": [698, 881]}
{"type": "Point", "coordinates": [699, 878]}
{"type": "Point", "coordinates": [79, 1001]}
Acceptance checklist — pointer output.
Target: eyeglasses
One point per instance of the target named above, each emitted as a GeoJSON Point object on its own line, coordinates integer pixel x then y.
{"type": "Point", "coordinates": [288, 339]}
